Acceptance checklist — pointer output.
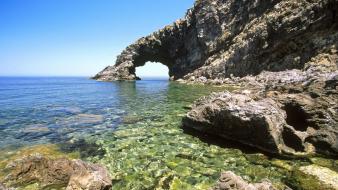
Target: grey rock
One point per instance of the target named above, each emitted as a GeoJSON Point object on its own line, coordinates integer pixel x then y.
{"type": "Point", "coordinates": [239, 117]}
{"type": "Point", "coordinates": [291, 112]}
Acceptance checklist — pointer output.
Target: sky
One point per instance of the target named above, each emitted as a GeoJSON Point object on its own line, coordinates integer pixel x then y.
{"type": "Point", "coordinates": [78, 37]}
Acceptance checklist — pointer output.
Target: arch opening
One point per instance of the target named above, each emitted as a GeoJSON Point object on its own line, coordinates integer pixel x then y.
{"type": "Point", "coordinates": [152, 71]}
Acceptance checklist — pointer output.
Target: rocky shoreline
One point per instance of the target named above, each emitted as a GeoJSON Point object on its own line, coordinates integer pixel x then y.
{"type": "Point", "coordinates": [282, 54]}
{"type": "Point", "coordinates": [220, 39]}
{"type": "Point", "coordinates": [289, 112]}
{"type": "Point", "coordinates": [282, 58]}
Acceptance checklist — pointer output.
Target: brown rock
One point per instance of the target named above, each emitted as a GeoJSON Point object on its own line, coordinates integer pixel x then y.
{"type": "Point", "coordinates": [73, 174]}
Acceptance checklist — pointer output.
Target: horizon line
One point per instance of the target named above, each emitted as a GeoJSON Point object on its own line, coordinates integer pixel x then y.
{"type": "Point", "coordinates": [72, 76]}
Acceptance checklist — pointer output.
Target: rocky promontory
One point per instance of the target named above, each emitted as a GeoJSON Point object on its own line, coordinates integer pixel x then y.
{"type": "Point", "coordinates": [223, 38]}
{"type": "Point", "coordinates": [281, 55]}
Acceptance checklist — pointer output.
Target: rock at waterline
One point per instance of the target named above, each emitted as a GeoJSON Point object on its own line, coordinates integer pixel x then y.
{"type": "Point", "coordinates": [60, 172]}
{"type": "Point", "coordinates": [227, 39]}
{"type": "Point", "coordinates": [297, 116]}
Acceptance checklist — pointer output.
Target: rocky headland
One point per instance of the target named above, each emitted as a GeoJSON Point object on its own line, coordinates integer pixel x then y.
{"type": "Point", "coordinates": [223, 38]}
{"type": "Point", "coordinates": [282, 55]}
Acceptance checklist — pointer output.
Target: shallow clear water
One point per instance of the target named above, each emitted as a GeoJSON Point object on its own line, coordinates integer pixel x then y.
{"type": "Point", "coordinates": [133, 128]}
{"type": "Point", "coordinates": [40, 110]}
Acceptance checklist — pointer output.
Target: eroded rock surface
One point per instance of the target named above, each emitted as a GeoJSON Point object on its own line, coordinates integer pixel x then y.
{"type": "Point", "coordinates": [223, 38]}
{"type": "Point", "coordinates": [291, 112]}
{"type": "Point", "coordinates": [60, 172]}
{"type": "Point", "coordinates": [231, 181]}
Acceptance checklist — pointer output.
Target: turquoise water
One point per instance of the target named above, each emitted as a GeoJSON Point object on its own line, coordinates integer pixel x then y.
{"type": "Point", "coordinates": [132, 128]}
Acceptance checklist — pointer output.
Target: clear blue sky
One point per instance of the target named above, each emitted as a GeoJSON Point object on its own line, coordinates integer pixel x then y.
{"type": "Point", "coordinates": [76, 37]}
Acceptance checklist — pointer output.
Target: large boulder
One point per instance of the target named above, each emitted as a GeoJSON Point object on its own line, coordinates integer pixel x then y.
{"type": "Point", "coordinates": [282, 115]}
{"type": "Point", "coordinates": [241, 118]}
{"type": "Point", "coordinates": [60, 172]}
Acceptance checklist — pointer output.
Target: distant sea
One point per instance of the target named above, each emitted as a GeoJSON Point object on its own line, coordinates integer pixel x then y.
{"type": "Point", "coordinates": [35, 110]}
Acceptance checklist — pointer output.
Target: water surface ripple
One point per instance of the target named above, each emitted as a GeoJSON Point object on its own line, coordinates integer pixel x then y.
{"type": "Point", "coordinates": [133, 128]}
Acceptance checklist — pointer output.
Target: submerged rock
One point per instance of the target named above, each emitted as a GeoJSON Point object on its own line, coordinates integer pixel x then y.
{"type": "Point", "coordinates": [131, 119]}
{"type": "Point", "coordinates": [231, 181]}
{"type": "Point", "coordinates": [60, 172]}
{"type": "Point", "coordinates": [35, 128]}
{"type": "Point", "coordinates": [81, 119]}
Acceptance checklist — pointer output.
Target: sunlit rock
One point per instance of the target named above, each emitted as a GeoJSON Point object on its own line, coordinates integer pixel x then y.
{"type": "Point", "coordinates": [224, 39]}
{"type": "Point", "coordinates": [57, 173]}
{"type": "Point", "coordinates": [313, 177]}
{"type": "Point", "coordinates": [292, 112]}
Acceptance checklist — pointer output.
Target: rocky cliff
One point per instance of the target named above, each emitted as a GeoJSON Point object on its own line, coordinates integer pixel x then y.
{"type": "Point", "coordinates": [283, 53]}
{"type": "Point", "coordinates": [221, 38]}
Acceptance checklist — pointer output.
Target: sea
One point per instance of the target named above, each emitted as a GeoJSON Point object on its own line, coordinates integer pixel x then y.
{"type": "Point", "coordinates": [133, 128]}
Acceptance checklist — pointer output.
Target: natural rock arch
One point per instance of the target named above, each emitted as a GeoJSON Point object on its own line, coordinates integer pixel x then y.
{"type": "Point", "coordinates": [177, 46]}
{"type": "Point", "coordinates": [218, 39]}
{"type": "Point", "coordinates": [166, 46]}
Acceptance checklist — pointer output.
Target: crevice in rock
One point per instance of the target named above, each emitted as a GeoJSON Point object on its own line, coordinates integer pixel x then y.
{"type": "Point", "coordinates": [292, 140]}
{"type": "Point", "coordinates": [296, 117]}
